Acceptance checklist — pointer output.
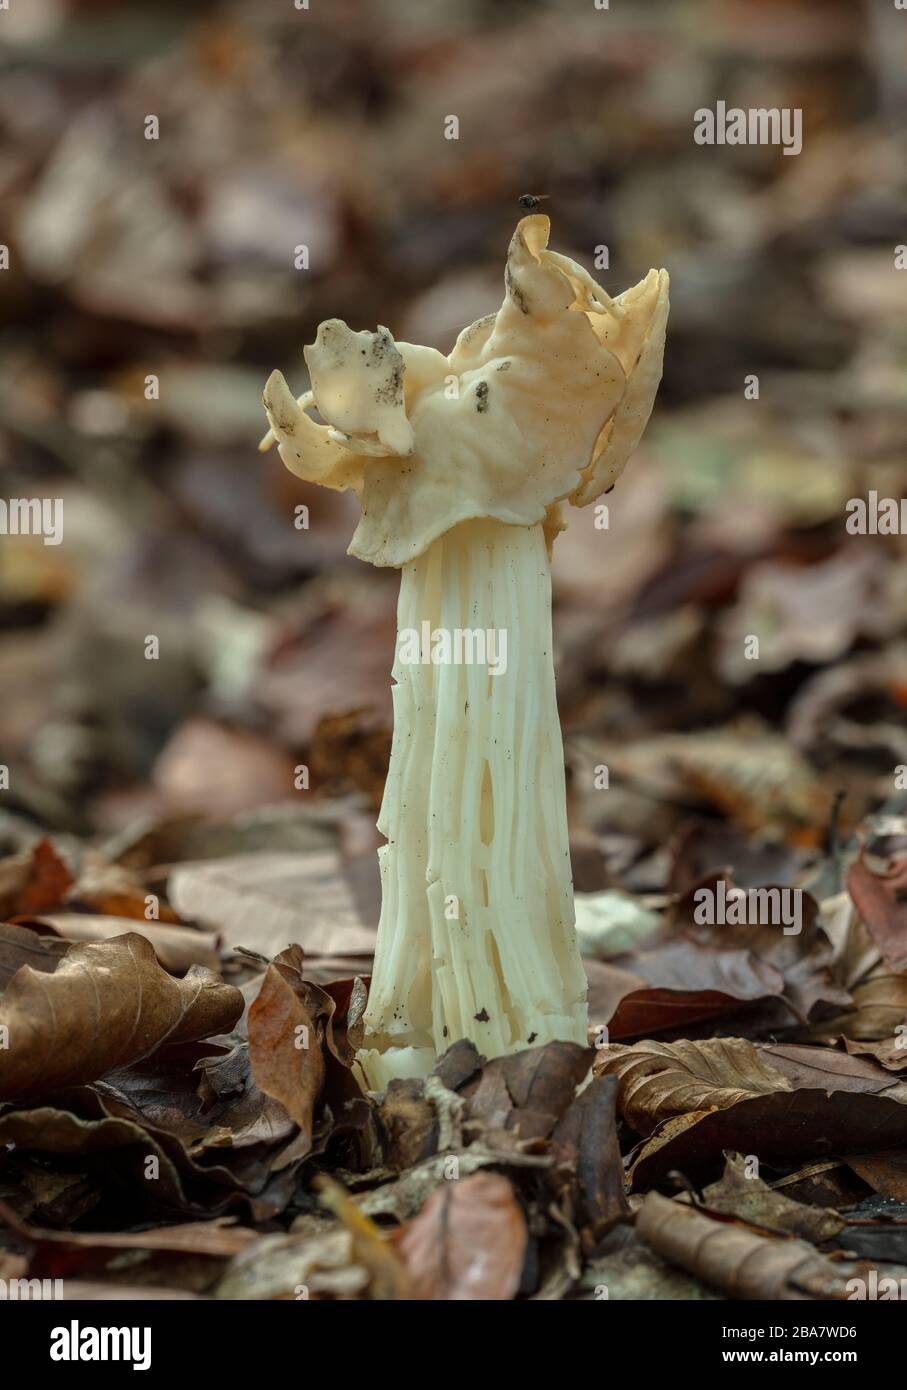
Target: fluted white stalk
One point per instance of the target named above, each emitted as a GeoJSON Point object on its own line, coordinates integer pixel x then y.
{"type": "Point", "coordinates": [476, 938]}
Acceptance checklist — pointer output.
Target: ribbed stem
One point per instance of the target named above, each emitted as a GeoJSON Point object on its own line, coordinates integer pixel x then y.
{"type": "Point", "coordinates": [476, 937]}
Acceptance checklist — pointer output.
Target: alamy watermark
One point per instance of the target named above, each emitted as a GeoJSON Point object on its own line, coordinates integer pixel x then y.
{"type": "Point", "coordinates": [876, 516]}
{"type": "Point", "coordinates": [458, 646]}
{"type": "Point", "coordinates": [30, 1290]}
{"type": "Point", "coordinates": [755, 125]}
{"type": "Point", "coordinates": [33, 516]}
{"type": "Point", "coordinates": [78, 1343]}
{"type": "Point", "coordinates": [873, 1289]}
{"type": "Point", "coordinates": [728, 906]}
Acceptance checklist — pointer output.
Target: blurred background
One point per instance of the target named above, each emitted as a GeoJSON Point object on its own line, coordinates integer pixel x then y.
{"type": "Point", "coordinates": [171, 261]}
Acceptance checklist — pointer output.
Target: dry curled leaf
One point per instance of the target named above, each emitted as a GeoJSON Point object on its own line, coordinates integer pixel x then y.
{"type": "Point", "coordinates": [34, 881]}
{"type": "Point", "coordinates": [467, 1243]}
{"type": "Point", "coordinates": [522, 1096]}
{"type": "Point", "coordinates": [177, 948]}
{"type": "Point", "coordinates": [585, 1143]}
{"type": "Point", "coordinates": [802, 957]}
{"type": "Point", "coordinates": [741, 1193]}
{"type": "Point", "coordinates": [739, 1261]}
{"type": "Point", "coordinates": [661, 1080]}
{"type": "Point", "coordinates": [286, 1026]}
{"type": "Point", "coordinates": [682, 982]}
{"type": "Point", "coordinates": [108, 1004]}
{"type": "Point", "coordinates": [881, 901]}
{"type": "Point", "coordinates": [696, 1100]}
{"type": "Point", "coordinates": [19, 946]}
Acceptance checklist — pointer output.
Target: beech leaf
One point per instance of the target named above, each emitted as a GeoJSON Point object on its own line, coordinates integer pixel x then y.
{"type": "Point", "coordinates": [107, 1005]}
{"type": "Point", "coordinates": [286, 1025]}
{"type": "Point", "coordinates": [881, 902]}
{"type": "Point", "coordinates": [467, 1243]}
{"type": "Point", "coordinates": [739, 1261]}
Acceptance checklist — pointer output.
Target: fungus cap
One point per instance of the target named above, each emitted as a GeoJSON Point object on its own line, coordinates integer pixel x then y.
{"type": "Point", "coordinates": [543, 401]}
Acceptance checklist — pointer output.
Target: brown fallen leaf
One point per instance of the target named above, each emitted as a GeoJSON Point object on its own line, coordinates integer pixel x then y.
{"type": "Point", "coordinates": [891, 1053]}
{"type": "Point", "coordinates": [208, 769]}
{"type": "Point", "coordinates": [265, 900]}
{"type": "Point", "coordinates": [112, 1138]}
{"type": "Point", "coordinates": [694, 1100]}
{"type": "Point", "coordinates": [113, 890]}
{"type": "Point", "coordinates": [884, 1172]}
{"type": "Point", "coordinates": [659, 1081]}
{"type": "Point", "coordinates": [803, 958]}
{"type": "Point", "coordinates": [585, 1143]}
{"type": "Point", "coordinates": [467, 1243]}
{"type": "Point", "coordinates": [522, 1097]}
{"type": "Point", "coordinates": [879, 1010]}
{"type": "Point", "coordinates": [827, 1182]}
{"type": "Point", "coordinates": [352, 748]}
{"type": "Point", "coordinates": [19, 946]}
{"type": "Point", "coordinates": [682, 982]}
{"type": "Point", "coordinates": [409, 1124]}
{"type": "Point", "coordinates": [700, 848]}
{"type": "Point", "coordinates": [824, 1068]}
{"type": "Point", "coordinates": [812, 613]}
{"type": "Point", "coordinates": [177, 948]}
{"type": "Point", "coordinates": [221, 1236]}
{"type": "Point", "coordinates": [741, 1193]}
{"type": "Point", "coordinates": [107, 1004]}
{"type": "Point", "coordinates": [741, 1262]}
{"type": "Point", "coordinates": [287, 1023]}
{"type": "Point", "coordinates": [124, 1146]}
{"type": "Point", "coordinates": [854, 953]}
{"type": "Point", "coordinates": [746, 770]}
{"type": "Point", "coordinates": [34, 881]}
{"type": "Point", "coordinates": [882, 904]}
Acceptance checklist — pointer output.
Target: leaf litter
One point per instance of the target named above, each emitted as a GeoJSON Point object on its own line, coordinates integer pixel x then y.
{"type": "Point", "coordinates": [175, 914]}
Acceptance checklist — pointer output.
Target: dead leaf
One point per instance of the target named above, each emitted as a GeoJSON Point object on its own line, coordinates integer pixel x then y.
{"type": "Point", "coordinates": [107, 1004]}
{"type": "Point", "coordinates": [659, 1081]}
{"type": "Point", "coordinates": [209, 769]}
{"type": "Point", "coordinates": [696, 1100]}
{"type": "Point", "coordinates": [811, 613]}
{"type": "Point", "coordinates": [467, 1243]}
{"type": "Point", "coordinates": [34, 881]}
{"type": "Point", "coordinates": [683, 982]}
{"type": "Point", "coordinates": [409, 1124]}
{"type": "Point", "coordinates": [740, 1192]}
{"type": "Point", "coordinates": [287, 1024]}
{"type": "Point", "coordinates": [352, 749]}
{"type": "Point", "coordinates": [740, 1262]}
{"type": "Point", "coordinates": [371, 1248]}
{"type": "Point", "coordinates": [522, 1097]}
{"type": "Point", "coordinates": [882, 904]}
{"type": "Point", "coordinates": [19, 946]}
{"type": "Point", "coordinates": [113, 890]}
{"type": "Point", "coordinates": [802, 957]}
{"type": "Point", "coordinates": [177, 948]}
{"type": "Point", "coordinates": [824, 1068]}
{"type": "Point", "coordinates": [266, 900]}
{"type": "Point", "coordinates": [585, 1142]}
{"type": "Point", "coordinates": [891, 1053]}
{"type": "Point", "coordinates": [884, 1172]}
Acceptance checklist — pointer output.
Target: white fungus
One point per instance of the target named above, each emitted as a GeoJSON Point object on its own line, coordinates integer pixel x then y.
{"type": "Point", "coordinates": [460, 464]}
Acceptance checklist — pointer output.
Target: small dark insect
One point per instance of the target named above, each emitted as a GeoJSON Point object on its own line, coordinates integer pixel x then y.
{"type": "Point", "coordinates": [531, 200]}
